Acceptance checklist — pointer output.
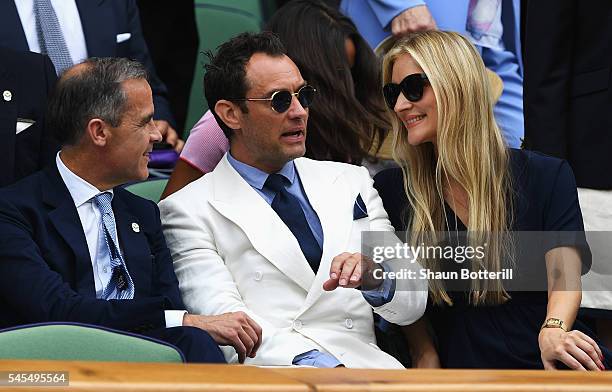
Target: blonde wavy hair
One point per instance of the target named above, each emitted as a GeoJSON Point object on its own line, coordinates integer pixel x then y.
{"type": "Point", "coordinates": [470, 150]}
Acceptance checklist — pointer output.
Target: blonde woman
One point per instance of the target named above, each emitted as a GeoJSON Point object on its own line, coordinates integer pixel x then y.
{"type": "Point", "coordinates": [456, 174]}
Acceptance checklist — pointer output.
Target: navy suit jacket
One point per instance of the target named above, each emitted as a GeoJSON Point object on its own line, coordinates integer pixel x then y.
{"type": "Point", "coordinates": [45, 268]}
{"type": "Point", "coordinates": [101, 20]}
{"type": "Point", "coordinates": [568, 93]}
{"type": "Point", "coordinates": [28, 77]}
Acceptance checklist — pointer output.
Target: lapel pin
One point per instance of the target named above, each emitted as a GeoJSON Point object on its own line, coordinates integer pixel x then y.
{"type": "Point", "coordinates": [135, 227]}
{"type": "Point", "coordinates": [7, 95]}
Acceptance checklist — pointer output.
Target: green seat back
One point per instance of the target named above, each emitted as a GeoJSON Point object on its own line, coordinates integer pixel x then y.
{"type": "Point", "coordinates": [81, 343]}
{"type": "Point", "coordinates": [217, 21]}
{"type": "Point", "coordinates": [150, 189]}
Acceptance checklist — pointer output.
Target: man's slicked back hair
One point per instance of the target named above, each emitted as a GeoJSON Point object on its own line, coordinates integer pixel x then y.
{"type": "Point", "coordinates": [225, 76]}
{"type": "Point", "coordinates": [91, 90]}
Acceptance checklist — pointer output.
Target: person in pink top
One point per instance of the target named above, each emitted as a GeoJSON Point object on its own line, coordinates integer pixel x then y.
{"type": "Point", "coordinates": [207, 144]}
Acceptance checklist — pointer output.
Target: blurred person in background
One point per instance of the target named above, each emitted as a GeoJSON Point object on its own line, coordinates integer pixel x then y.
{"type": "Point", "coordinates": [26, 80]}
{"type": "Point", "coordinates": [69, 31]}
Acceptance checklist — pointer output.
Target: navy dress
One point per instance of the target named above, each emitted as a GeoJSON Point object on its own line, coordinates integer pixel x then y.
{"type": "Point", "coordinates": [502, 336]}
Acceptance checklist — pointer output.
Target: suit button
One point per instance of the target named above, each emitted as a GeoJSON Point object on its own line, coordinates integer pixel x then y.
{"type": "Point", "coordinates": [297, 325]}
{"type": "Point", "coordinates": [348, 323]}
{"type": "Point", "coordinates": [258, 275]}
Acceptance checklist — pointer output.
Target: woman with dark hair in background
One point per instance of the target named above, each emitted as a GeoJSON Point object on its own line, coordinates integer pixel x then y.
{"type": "Point", "coordinates": [347, 121]}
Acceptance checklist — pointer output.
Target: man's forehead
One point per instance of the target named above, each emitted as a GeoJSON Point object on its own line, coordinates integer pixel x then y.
{"type": "Point", "coordinates": [264, 72]}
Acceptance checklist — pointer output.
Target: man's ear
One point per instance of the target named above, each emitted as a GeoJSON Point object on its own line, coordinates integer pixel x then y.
{"type": "Point", "coordinates": [230, 113]}
{"type": "Point", "coordinates": [98, 132]}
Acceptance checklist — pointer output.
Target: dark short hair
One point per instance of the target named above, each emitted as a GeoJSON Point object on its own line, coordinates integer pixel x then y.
{"type": "Point", "coordinates": [225, 76]}
{"type": "Point", "coordinates": [92, 91]}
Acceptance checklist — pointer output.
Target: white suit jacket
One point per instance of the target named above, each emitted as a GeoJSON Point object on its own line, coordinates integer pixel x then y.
{"type": "Point", "coordinates": [233, 253]}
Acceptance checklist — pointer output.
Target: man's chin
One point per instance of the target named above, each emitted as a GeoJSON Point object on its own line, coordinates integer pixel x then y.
{"type": "Point", "coordinates": [296, 152]}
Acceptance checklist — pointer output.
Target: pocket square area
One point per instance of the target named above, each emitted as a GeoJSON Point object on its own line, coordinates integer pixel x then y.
{"type": "Point", "coordinates": [23, 124]}
{"type": "Point", "coordinates": [123, 37]}
{"type": "Point", "coordinates": [359, 210]}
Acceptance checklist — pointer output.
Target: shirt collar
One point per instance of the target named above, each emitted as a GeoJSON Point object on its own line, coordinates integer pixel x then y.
{"type": "Point", "coordinates": [257, 178]}
{"type": "Point", "coordinates": [80, 190]}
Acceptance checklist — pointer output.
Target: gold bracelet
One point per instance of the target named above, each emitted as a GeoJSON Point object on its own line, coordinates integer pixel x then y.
{"type": "Point", "coordinates": [554, 323]}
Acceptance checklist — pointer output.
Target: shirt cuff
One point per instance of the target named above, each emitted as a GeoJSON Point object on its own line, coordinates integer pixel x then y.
{"type": "Point", "coordinates": [383, 294]}
{"type": "Point", "coordinates": [174, 318]}
{"type": "Point", "coordinates": [317, 359]}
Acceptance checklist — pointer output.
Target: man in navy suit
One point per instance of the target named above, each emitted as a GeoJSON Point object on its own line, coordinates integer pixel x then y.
{"type": "Point", "coordinates": [25, 81]}
{"type": "Point", "coordinates": [106, 28]}
{"type": "Point", "coordinates": [74, 247]}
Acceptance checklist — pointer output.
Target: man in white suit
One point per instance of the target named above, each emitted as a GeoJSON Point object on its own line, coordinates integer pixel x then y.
{"type": "Point", "coordinates": [260, 232]}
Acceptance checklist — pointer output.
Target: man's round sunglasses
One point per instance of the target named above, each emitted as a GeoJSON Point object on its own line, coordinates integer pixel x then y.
{"type": "Point", "coordinates": [412, 87]}
{"type": "Point", "coordinates": [281, 100]}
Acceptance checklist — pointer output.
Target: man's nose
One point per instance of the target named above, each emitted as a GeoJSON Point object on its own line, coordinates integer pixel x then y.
{"type": "Point", "coordinates": [155, 135]}
{"type": "Point", "coordinates": [296, 110]}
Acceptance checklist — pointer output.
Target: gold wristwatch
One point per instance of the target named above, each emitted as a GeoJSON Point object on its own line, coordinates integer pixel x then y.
{"type": "Point", "coordinates": [554, 323]}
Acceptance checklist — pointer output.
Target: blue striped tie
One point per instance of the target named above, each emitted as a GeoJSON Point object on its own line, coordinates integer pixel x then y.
{"type": "Point", "coordinates": [120, 285]}
{"type": "Point", "coordinates": [50, 35]}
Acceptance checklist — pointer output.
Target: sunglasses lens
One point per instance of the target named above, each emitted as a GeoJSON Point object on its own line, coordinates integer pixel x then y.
{"type": "Point", "coordinates": [281, 101]}
{"type": "Point", "coordinates": [306, 95]}
{"type": "Point", "coordinates": [412, 87]}
{"type": "Point", "coordinates": [391, 92]}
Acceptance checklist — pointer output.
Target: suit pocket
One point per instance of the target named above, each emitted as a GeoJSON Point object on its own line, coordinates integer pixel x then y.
{"type": "Point", "coordinates": [590, 82]}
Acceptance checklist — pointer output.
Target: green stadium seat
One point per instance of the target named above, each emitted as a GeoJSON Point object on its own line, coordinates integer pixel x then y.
{"type": "Point", "coordinates": [217, 21]}
{"type": "Point", "coordinates": [81, 342]}
{"type": "Point", "coordinates": [150, 189]}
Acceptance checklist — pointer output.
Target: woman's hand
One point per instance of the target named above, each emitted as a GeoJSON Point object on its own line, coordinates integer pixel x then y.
{"type": "Point", "coordinates": [575, 349]}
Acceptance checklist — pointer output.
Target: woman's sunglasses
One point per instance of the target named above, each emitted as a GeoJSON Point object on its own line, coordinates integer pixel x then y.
{"type": "Point", "coordinates": [412, 87]}
{"type": "Point", "coordinates": [281, 100]}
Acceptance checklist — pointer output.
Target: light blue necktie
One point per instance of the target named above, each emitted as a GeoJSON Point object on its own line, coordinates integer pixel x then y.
{"type": "Point", "coordinates": [50, 35]}
{"type": "Point", "coordinates": [120, 285]}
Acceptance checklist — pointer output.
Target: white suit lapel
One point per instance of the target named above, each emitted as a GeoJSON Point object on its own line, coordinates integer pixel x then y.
{"type": "Point", "coordinates": [329, 199]}
{"type": "Point", "coordinates": [235, 199]}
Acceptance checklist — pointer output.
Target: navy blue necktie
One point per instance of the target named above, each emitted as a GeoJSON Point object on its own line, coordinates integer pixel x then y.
{"type": "Point", "coordinates": [289, 210]}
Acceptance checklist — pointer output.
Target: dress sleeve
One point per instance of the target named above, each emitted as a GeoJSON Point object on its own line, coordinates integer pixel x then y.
{"type": "Point", "coordinates": [563, 218]}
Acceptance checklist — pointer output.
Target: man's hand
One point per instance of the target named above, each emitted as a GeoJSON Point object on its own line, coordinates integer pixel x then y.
{"type": "Point", "coordinates": [234, 329]}
{"type": "Point", "coordinates": [413, 19]}
{"type": "Point", "coordinates": [352, 270]}
{"type": "Point", "coordinates": [575, 349]}
{"type": "Point", "coordinates": [170, 136]}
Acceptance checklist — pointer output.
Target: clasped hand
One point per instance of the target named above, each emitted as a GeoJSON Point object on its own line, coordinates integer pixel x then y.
{"type": "Point", "coordinates": [234, 329]}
